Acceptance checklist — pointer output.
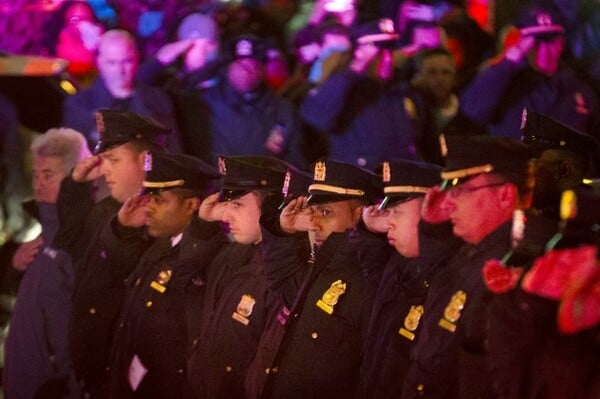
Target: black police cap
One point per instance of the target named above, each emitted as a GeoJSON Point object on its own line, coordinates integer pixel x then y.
{"type": "Point", "coordinates": [543, 132]}
{"type": "Point", "coordinates": [295, 184]}
{"type": "Point", "coordinates": [337, 181]}
{"type": "Point", "coordinates": [245, 46]}
{"type": "Point", "coordinates": [119, 127]}
{"type": "Point", "coordinates": [468, 156]}
{"type": "Point", "coordinates": [380, 33]}
{"type": "Point", "coordinates": [166, 171]}
{"type": "Point", "coordinates": [243, 174]}
{"type": "Point", "coordinates": [540, 22]}
{"type": "Point", "coordinates": [404, 180]}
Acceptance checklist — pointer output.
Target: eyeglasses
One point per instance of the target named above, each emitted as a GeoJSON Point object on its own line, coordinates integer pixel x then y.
{"type": "Point", "coordinates": [457, 191]}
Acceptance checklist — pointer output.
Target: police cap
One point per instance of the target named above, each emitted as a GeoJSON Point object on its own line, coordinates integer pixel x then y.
{"type": "Point", "coordinates": [543, 132]}
{"type": "Point", "coordinates": [468, 156]}
{"type": "Point", "coordinates": [243, 174]}
{"type": "Point", "coordinates": [380, 33]}
{"type": "Point", "coordinates": [404, 180]}
{"type": "Point", "coordinates": [119, 127]}
{"type": "Point", "coordinates": [337, 181]}
{"type": "Point", "coordinates": [168, 171]}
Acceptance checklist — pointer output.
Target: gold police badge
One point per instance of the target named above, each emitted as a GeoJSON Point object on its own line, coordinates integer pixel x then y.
{"type": "Point", "coordinates": [386, 172]}
{"type": "Point", "coordinates": [161, 280]}
{"type": "Point", "coordinates": [452, 311]}
{"type": "Point", "coordinates": [331, 296]}
{"type": "Point", "coordinates": [244, 309]}
{"type": "Point", "coordinates": [411, 322]}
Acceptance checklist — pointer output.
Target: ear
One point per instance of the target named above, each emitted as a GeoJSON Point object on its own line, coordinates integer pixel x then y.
{"type": "Point", "coordinates": [564, 170]}
{"type": "Point", "coordinates": [357, 213]}
{"type": "Point", "coordinates": [192, 205]}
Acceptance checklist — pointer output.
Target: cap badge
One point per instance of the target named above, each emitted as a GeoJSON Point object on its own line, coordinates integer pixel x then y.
{"type": "Point", "coordinates": [411, 322]}
{"type": "Point", "coordinates": [386, 172]}
{"type": "Point", "coordinates": [452, 311]}
{"type": "Point", "coordinates": [523, 118]}
{"type": "Point", "coordinates": [222, 166]}
{"type": "Point", "coordinates": [100, 122]}
{"type": "Point", "coordinates": [148, 162]}
{"type": "Point", "coordinates": [161, 280]}
{"type": "Point", "coordinates": [331, 296]}
{"type": "Point", "coordinates": [443, 145]}
{"type": "Point", "coordinates": [568, 205]}
{"type": "Point", "coordinates": [320, 171]}
{"type": "Point", "coordinates": [244, 309]}
{"type": "Point", "coordinates": [544, 19]}
{"type": "Point", "coordinates": [243, 48]}
{"type": "Point", "coordinates": [386, 25]}
{"type": "Point", "coordinates": [286, 183]}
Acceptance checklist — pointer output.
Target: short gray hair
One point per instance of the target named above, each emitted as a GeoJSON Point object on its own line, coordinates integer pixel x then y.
{"type": "Point", "coordinates": [68, 144]}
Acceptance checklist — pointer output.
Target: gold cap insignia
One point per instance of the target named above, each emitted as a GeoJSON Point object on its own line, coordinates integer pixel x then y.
{"type": "Point", "coordinates": [147, 162]}
{"type": "Point", "coordinates": [100, 122]}
{"type": "Point", "coordinates": [386, 25]}
{"type": "Point", "coordinates": [410, 108]}
{"type": "Point", "coordinates": [386, 172]}
{"type": "Point", "coordinates": [286, 183]}
{"type": "Point", "coordinates": [443, 145]}
{"type": "Point", "coordinates": [452, 311]}
{"type": "Point", "coordinates": [331, 296]}
{"type": "Point", "coordinates": [222, 166]}
{"type": "Point", "coordinates": [243, 48]}
{"type": "Point", "coordinates": [411, 322]}
{"type": "Point", "coordinates": [320, 171]}
{"type": "Point", "coordinates": [244, 309]}
{"type": "Point", "coordinates": [523, 118]}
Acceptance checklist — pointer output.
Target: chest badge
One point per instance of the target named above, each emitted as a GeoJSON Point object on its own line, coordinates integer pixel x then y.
{"type": "Point", "coordinates": [411, 322]}
{"type": "Point", "coordinates": [452, 311]}
{"type": "Point", "coordinates": [331, 296]}
{"type": "Point", "coordinates": [244, 309]}
{"type": "Point", "coordinates": [161, 280]}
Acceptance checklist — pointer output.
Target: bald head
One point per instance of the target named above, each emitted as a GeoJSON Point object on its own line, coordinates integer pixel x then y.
{"type": "Point", "coordinates": [117, 62]}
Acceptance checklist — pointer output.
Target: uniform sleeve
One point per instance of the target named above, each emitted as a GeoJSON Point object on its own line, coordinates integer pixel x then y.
{"type": "Point", "coordinates": [322, 106]}
{"type": "Point", "coordinates": [373, 253]}
{"type": "Point", "coordinates": [75, 203]}
{"type": "Point", "coordinates": [482, 97]}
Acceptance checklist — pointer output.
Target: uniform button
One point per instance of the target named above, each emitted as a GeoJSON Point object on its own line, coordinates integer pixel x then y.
{"type": "Point", "coordinates": [275, 370]}
{"type": "Point", "coordinates": [138, 282]}
{"type": "Point", "coordinates": [179, 371]}
{"type": "Point", "coordinates": [148, 304]}
{"type": "Point", "coordinates": [314, 335]}
{"type": "Point", "coordinates": [267, 371]}
{"type": "Point", "coordinates": [121, 325]}
{"type": "Point", "coordinates": [92, 310]}
{"type": "Point", "coordinates": [195, 342]}
{"type": "Point", "coordinates": [361, 161]}
{"type": "Point", "coordinates": [228, 369]}
{"type": "Point", "coordinates": [420, 387]}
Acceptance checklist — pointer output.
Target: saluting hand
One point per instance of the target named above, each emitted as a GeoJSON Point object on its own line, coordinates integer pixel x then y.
{"type": "Point", "coordinates": [210, 209]}
{"type": "Point", "coordinates": [26, 253]}
{"type": "Point", "coordinates": [87, 169]}
{"type": "Point", "coordinates": [170, 51]}
{"type": "Point", "coordinates": [133, 211]}
{"type": "Point", "coordinates": [432, 210]}
{"type": "Point", "coordinates": [296, 216]}
{"type": "Point", "coordinates": [374, 219]}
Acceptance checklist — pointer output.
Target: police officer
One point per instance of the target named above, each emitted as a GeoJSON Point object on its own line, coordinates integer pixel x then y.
{"type": "Point", "coordinates": [401, 271]}
{"type": "Point", "coordinates": [98, 287]}
{"type": "Point", "coordinates": [312, 346]}
{"type": "Point", "coordinates": [565, 157]}
{"type": "Point", "coordinates": [149, 353]}
{"type": "Point", "coordinates": [486, 180]}
{"type": "Point", "coordinates": [359, 100]}
{"type": "Point", "coordinates": [237, 302]}
{"type": "Point", "coordinates": [529, 74]}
